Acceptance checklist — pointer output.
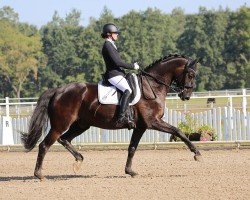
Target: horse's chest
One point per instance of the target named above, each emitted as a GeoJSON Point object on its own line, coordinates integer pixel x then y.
{"type": "Point", "coordinates": [154, 109]}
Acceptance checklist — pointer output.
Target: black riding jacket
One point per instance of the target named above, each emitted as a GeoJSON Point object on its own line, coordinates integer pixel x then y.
{"type": "Point", "coordinates": [113, 61]}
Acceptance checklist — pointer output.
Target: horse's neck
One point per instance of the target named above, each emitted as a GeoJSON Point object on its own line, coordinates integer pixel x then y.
{"type": "Point", "coordinates": [155, 84]}
{"type": "Point", "coordinates": [163, 73]}
{"type": "Point", "coordinates": [167, 70]}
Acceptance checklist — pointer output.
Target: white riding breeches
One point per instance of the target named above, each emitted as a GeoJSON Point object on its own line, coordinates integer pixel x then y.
{"type": "Point", "coordinates": [120, 82]}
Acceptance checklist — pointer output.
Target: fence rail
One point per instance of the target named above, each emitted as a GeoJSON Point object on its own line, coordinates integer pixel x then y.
{"type": "Point", "coordinates": [230, 124]}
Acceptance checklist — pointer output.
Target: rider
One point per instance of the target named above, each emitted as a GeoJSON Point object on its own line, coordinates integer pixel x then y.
{"type": "Point", "coordinates": [115, 73]}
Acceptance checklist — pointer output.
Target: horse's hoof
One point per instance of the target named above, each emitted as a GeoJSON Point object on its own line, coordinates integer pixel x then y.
{"type": "Point", "coordinates": [131, 173]}
{"type": "Point", "coordinates": [77, 166]}
{"type": "Point", "coordinates": [198, 157]}
{"type": "Point", "coordinates": [39, 176]}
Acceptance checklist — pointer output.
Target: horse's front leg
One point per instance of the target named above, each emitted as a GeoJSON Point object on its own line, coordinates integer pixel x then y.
{"type": "Point", "coordinates": [160, 125]}
{"type": "Point", "coordinates": [135, 139]}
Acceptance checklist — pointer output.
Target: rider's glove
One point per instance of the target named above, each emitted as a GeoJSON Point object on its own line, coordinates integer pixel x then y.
{"type": "Point", "coordinates": [136, 66]}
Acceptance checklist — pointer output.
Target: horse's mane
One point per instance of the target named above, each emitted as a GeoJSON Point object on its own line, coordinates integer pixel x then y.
{"type": "Point", "coordinates": [166, 58]}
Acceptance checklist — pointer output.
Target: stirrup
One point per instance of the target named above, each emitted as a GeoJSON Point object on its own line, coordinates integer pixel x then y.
{"type": "Point", "coordinates": [131, 125]}
{"type": "Point", "coordinates": [125, 120]}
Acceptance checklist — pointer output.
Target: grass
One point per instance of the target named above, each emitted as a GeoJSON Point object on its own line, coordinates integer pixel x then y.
{"type": "Point", "coordinates": [200, 104]}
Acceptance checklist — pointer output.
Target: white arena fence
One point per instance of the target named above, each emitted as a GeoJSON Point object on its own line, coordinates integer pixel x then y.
{"type": "Point", "coordinates": [229, 123]}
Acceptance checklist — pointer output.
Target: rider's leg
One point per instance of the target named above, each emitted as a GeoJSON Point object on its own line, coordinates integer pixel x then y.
{"type": "Point", "coordinates": [123, 105]}
{"type": "Point", "coordinates": [121, 83]}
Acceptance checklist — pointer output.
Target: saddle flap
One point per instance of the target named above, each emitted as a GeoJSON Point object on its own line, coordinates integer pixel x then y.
{"type": "Point", "coordinates": [109, 94]}
{"type": "Point", "coordinates": [147, 89]}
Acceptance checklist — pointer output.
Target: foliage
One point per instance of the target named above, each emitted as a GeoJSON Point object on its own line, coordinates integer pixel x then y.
{"type": "Point", "coordinates": [207, 131]}
{"type": "Point", "coordinates": [237, 48]}
{"type": "Point", "coordinates": [19, 54]}
{"type": "Point", "coordinates": [190, 127]}
{"type": "Point", "coordinates": [72, 53]}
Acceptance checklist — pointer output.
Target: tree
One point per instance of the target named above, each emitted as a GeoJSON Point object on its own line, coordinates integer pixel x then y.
{"type": "Point", "coordinates": [61, 40]}
{"type": "Point", "coordinates": [8, 14]}
{"type": "Point", "coordinates": [91, 43]}
{"type": "Point", "coordinates": [204, 38]}
{"type": "Point", "coordinates": [19, 55]}
{"type": "Point", "coordinates": [146, 36]}
{"type": "Point", "coordinates": [237, 48]}
{"type": "Point", "coordinates": [191, 43]}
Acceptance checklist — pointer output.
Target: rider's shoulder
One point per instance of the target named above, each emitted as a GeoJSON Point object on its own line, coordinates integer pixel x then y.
{"type": "Point", "coordinates": [107, 45]}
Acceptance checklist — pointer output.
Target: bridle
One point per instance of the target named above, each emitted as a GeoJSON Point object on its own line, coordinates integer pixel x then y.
{"type": "Point", "coordinates": [176, 85]}
{"type": "Point", "coordinates": [181, 85]}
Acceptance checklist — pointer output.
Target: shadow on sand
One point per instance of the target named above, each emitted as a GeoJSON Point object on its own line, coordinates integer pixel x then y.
{"type": "Point", "coordinates": [57, 177]}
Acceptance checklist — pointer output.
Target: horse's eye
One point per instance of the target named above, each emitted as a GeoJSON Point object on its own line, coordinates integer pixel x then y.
{"type": "Point", "coordinates": [190, 76]}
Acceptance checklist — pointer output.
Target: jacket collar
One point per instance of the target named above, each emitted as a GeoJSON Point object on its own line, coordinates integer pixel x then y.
{"type": "Point", "coordinates": [112, 42]}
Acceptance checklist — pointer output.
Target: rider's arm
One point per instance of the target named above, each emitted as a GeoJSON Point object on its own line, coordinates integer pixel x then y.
{"type": "Point", "coordinates": [114, 55]}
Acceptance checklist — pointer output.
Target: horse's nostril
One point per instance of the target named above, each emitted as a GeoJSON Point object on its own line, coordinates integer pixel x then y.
{"type": "Point", "coordinates": [187, 98]}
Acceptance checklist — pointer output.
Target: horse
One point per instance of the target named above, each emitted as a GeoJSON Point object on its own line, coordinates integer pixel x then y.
{"type": "Point", "coordinates": [73, 108]}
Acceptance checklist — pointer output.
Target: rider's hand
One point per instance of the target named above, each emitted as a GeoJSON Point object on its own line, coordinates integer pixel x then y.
{"type": "Point", "coordinates": [136, 66]}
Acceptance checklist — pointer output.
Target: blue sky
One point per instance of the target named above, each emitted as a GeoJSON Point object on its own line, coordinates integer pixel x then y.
{"type": "Point", "coordinates": [39, 12]}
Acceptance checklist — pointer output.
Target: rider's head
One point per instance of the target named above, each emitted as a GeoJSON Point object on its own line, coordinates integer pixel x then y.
{"type": "Point", "coordinates": [110, 31]}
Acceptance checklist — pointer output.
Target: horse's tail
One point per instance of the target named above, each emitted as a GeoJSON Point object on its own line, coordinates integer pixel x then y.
{"type": "Point", "coordinates": [38, 120]}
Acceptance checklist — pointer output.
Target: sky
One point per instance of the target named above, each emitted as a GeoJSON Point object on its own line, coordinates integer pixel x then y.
{"type": "Point", "coordinates": [39, 12]}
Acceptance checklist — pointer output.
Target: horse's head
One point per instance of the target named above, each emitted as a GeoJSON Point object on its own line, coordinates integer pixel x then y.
{"type": "Point", "coordinates": [186, 79]}
{"type": "Point", "coordinates": [174, 68]}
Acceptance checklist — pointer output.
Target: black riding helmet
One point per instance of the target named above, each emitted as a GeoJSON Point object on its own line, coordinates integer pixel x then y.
{"type": "Point", "coordinates": [109, 28]}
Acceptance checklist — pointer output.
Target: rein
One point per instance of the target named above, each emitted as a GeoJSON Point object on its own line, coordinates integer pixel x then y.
{"type": "Point", "coordinates": [156, 79]}
{"type": "Point", "coordinates": [180, 85]}
{"type": "Point", "coordinates": [177, 88]}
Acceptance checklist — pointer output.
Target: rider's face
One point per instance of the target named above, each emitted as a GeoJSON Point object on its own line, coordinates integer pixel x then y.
{"type": "Point", "coordinates": [114, 36]}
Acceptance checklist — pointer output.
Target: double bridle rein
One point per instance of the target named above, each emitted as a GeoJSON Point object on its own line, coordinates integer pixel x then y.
{"type": "Point", "coordinates": [179, 85]}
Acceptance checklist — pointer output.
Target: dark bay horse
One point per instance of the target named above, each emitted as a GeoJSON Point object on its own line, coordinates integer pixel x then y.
{"type": "Point", "coordinates": [73, 108]}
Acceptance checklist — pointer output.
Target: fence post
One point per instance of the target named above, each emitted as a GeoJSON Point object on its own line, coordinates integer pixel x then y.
{"type": "Point", "coordinates": [230, 115]}
{"type": "Point", "coordinates": [226, 124]}
{"type": "Point", "coordinates": [7, 136]}
{"type": "Point", "coordinates": [219, 121]}
{"type": "Point", "coordinates": [7, 106]}
{"type": "Point", "coordinates": [244, 105]}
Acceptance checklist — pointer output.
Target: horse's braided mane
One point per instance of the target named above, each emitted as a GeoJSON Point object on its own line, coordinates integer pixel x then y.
{"type": "Point", "coordinates": [166, 58]}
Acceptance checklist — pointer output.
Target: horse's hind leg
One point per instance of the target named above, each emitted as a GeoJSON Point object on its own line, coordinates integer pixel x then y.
{"type": "Point", "coordinates": [135, 139]}
{"type": "Point", "coordinates": [74, 131]}
{"type": "Point", "coordinates": [44, 146]}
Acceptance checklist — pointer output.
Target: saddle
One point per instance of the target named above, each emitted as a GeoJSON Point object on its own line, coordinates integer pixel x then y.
{"type": "Point", "coordinates": [109, 94]}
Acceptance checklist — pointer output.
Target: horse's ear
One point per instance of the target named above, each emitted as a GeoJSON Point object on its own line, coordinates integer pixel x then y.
{"type": "Point", "coordinates": [198, 60]}
{"type": "Point", "coordinates": [194, 62]}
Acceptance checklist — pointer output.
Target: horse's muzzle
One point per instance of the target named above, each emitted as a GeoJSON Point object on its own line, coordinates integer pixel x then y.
{"type": "Point", "coordinates": [183, 97]}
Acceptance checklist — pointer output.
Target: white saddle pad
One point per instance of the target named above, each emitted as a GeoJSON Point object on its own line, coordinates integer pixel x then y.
{"type": "Point", "coordinates": [108, 94]}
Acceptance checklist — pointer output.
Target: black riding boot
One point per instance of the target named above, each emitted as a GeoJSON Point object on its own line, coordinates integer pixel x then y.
{"type": "Point", "coordinates": [122, 118]}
